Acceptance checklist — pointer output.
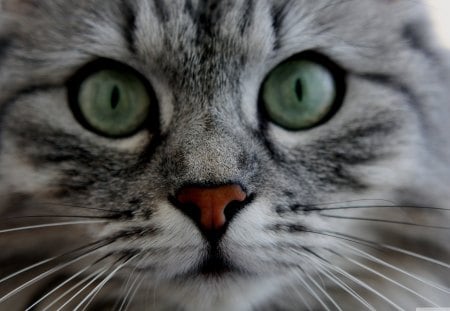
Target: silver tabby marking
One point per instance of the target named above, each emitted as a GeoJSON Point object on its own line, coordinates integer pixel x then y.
{"type": "Point", "coordinates": [352, 214]}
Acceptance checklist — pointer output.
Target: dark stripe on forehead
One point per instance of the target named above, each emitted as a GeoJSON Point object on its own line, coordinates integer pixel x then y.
{"type": "Point", "coordinates": [277, 12]}
{"type": "Point", "coordinates": [206, 15]}
{"type": "Point", "coordinates": [161, 11]}
{"type": "Point", "coordinates": [189, 9]}
{"type": "Point", "coordinates": [247, 16]}
{"type": "Point", "coordinates": [416, 39]}
{"type": "Point", "coordinates": [4, 46]}
{"type": "Point", "coordinates": [129, 27]}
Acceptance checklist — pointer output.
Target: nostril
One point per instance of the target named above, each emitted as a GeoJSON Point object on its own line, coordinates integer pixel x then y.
{"type": "Point", "coordinates": [211, 208]}
{"type": "Point", "coordinates": [233, 208]}
{"type": "Point", "coordinates": [190, 210]}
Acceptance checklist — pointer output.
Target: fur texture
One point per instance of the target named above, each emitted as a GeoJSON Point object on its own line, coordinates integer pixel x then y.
{"type": "Point", "coordinates": [352, 214]}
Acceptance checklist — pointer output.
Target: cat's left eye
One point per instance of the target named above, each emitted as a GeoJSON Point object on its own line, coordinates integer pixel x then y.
{"type": "Point", "coordinates": [302, 92]}
{"type": "Point", "coordinates": [112, 101]}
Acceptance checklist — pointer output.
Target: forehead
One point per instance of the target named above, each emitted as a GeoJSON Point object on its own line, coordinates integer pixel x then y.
{"type": "Point", "coordinates": [242, 31]}
{"type": "Point", "coordinates": [194, 37]}
{"type": "Point", "coordinates": [160, 26]}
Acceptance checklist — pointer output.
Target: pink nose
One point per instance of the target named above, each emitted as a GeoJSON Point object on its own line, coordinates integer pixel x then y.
{"type": "Point", "coordinates": [211, 201]}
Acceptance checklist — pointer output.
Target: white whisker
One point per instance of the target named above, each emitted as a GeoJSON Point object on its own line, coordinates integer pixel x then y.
{"type": "Point", "coordinates": [354, 239]}
{"type": "Point", "coordinates": [134, 288]}
{"type": "Point", "coordinates": [127, 287]}
{"type": "Point", "coordinates": [302, 298]}
{"type": "Point", "coordinates": [389, 279]}
{"type": "Point", "coordinates": [416, 255]}
{"type": "Point", "coordinates": [386, 264]}
{"type": "Point", "coordinates": [384, 221]}
{"type": "Point", "coordinates": [75, 286]}
{"type": "Point", "coordinates": [43, 275]}
{"type": "Point", "coordinates": [359, 282]}
{"type": "Point", "coordinates": [64, 283]}
{"type": "Point", "coordinates": [50, 225]}
{"type": "Point", "coordinates": [345, 287]}
{"type": "Point", "coordinates": [38, 264]}
{"type": "Point", "coordinates": [312, 292]}
{"type": "Point", "coordinates": [94, 277]}
{"type": "Point", "coordinates": [88, 299]}
{"type": "Point", "coordinates": [43, 262]}
{"type": "Point", "coordinates": [323, 291]}
{"type": "Point", "coordinates": [57, 287]}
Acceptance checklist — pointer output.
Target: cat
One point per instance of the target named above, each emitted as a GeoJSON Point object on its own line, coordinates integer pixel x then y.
{"type": "Point", "coordinates": [223, 155]}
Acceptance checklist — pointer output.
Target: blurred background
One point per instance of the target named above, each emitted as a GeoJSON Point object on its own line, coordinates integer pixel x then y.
{"type": "Point", "coordinates": [440, 10]}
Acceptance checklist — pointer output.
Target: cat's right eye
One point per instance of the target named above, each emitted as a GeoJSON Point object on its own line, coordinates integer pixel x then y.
{"type": "Point", "coordinates": [113, 101]}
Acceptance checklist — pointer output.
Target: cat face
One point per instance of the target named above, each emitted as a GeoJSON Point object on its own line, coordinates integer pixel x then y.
{"type": "Point", "coordinates": [218, 155]}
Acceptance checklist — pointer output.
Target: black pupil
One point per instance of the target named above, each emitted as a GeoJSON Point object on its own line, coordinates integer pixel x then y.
{"type": "Point", "coordinates": [115, 97]}
{"type": "Point", "coordinates": [299, 89]}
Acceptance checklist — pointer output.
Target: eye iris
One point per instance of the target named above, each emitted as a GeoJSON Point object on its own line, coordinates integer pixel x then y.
{"type": "Point", "coordinates": [298, 94]}
{"type": "Point", "coordinates": [114, 103]}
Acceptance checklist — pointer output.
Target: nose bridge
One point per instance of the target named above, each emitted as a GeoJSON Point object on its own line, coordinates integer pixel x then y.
{"type": "Point", "coordinates": [210, 152]}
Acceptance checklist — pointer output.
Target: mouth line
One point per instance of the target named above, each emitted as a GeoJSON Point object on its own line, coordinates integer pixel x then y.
{"type": "Point", "coordinates": [214, 263]}
{"type": "Point", "coordinates": [215, 266]}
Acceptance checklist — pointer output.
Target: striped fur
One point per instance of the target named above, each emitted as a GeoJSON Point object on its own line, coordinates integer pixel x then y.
{"type": "Point", "coordinates": [350, 215]}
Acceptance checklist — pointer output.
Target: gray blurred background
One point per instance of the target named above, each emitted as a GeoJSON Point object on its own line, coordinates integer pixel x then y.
{"type": "Point", "coordinates": [440, 10]}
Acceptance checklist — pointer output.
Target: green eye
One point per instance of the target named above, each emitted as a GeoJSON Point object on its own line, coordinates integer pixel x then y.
{"type": "Point", "coordinates": [299, 94]}
{"type": "Point", "coordinates": [112, 102]}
